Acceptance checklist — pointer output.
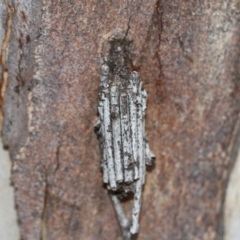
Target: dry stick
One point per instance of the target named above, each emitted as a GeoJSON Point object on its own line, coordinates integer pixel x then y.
{"type": "Point", "coordinates": [128, 173]}
{"type": "Point", "coordinates": [104, 153]}
{"type": "Point", "coordinates": [116, 132]}
{"type": "Point", "coordinates": [138, 192]}
{"type": "Point", "coordinates": [144, 106]}
{"type": "Point", "coordinates": [108, 140]}
{"type": "Point", "coordinates": [133, 122]}
{"type": "Point", "coordinates": [136, 207]}
{"type": "Point", "coordinates": [132, 93]}
{"type": "Point", "coordinates": [103, 84]}
{"type": "Point", "coordinates": [123, 221]}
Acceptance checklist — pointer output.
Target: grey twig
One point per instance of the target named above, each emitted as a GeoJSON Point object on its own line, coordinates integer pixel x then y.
{"type": "Point", "coordinates": [122, 220]}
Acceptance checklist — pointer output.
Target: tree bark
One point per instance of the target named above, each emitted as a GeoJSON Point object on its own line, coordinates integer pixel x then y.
{"type": "Point", "coordinates": [187, 53]}
{"type": "Point", "coordinates": [3, 16]}
{"type": "Point", "coordinates": [3, 34]}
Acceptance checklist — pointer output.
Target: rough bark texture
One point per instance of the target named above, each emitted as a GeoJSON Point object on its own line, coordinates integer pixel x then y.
{"type": "Point", "coordinates": [187, 53]}
{"type": "Point", "coordinates": [232, 204]}
{"type": "Point", "coordinates": [3, 19]}
{"type": "Point", "coordinates": [3, 26]}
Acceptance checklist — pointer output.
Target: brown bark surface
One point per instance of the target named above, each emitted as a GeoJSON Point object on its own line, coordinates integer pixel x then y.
{"type": "Point", "coordinates": [3, 19]}
{"type": "Point", "coordinates": [3, 33]}
{"type": "Point", "coordinates": [187, 53]}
